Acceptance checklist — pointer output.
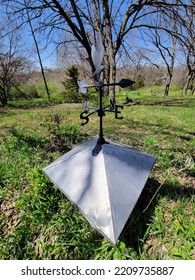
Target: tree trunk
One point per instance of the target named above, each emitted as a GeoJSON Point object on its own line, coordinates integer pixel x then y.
{"type": "Point", "coordinates": [39, 56]}
{"type": "Point", "coordinates": [166, 93]}
{"type": "Point", "coordinates": [193, 84]}
{"type": "Point", "coordinates": [3, 98]}
{"type": "Point", "coordinates": [111, 71]}
{"type": "Point", "coordinates": [106, 74]}
{"type": "Point", "coordinates": [184, 92]}
{"type": "Point", "coordinates": [112, 77]}
{"type": "Point", "coordinates": [170, 67]}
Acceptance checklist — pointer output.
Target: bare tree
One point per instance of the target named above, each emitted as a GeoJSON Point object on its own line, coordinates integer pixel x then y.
{"type": "Point", "coordinates": [188, 27]}
{"type": "Point", "coordinates": [12, 67]}
{"type": "Point", "coordinates": [81, 18]}
{"type": "Point", "coordinates": [167, 50]}
{"type": "Point", "coordinates": [183, 19]}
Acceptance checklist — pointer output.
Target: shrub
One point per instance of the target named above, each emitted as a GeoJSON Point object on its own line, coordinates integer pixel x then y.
{"type": "Point", "coordinates": [62, 135]}
{"type": "Point", "coordinates": [139, 82]}
{"type": "Point", "coordinates": [24, 91]}
{"type": "Point", "coordinates": [54, 90]}
{"type": "Point", "coordinates": [70, 92]}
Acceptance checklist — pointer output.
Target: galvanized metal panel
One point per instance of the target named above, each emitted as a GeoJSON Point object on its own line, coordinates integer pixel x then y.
{"type": "Point", "coordinates": [104, 187]}
{"type": "Point", "coordinates": [127, 171]}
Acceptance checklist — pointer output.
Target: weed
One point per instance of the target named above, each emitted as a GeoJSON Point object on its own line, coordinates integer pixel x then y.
{"type": "Point", "coordinates": [62, 134]}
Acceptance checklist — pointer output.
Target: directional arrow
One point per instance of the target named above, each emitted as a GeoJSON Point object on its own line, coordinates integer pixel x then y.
{"type": "Point", "coordinates": [122, 83]}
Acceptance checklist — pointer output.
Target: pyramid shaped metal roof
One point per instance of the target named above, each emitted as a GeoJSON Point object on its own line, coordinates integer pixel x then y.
{"type": "Point", "coordinates": [105, 187]}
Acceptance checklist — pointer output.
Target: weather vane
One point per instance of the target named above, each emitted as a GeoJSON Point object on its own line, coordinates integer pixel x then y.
{"type": "Point", "coordinates": [102, 177]}
{"type": "Point", "coordinates": [97, 54]}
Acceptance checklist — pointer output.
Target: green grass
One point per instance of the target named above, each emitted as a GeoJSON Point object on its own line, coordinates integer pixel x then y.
{"type": "Point", "coordinates": [39, 222]}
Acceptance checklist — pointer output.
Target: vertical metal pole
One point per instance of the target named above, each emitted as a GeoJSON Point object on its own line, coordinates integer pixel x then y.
{"type": "Point", "coordinates": [101, 114]}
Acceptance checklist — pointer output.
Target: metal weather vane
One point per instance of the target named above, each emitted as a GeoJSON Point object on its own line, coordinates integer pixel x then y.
{"type": "Point", "coordinates": [97, 54]}
{"type": "Point", "coordinates": [112, 107]}
{"type": "Point", "coordinates": [102, 177]}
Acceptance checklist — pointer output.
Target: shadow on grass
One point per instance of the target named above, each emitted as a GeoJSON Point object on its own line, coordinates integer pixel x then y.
{"type": "Point", "coordinates": [136, 227]}
{"type": "Point", "coordinates": [60, 142]}
{"type": "Point", "coordinates": [171, 130]}
{"type": "Point", "coordinates": [33, 141]}
{"type": "Point", "coordinates": [178, 102]}
{"type": "Point", "coordinates": [29, 104]}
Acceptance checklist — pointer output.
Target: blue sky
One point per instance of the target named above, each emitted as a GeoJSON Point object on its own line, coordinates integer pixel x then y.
{"type": "Point", "coordinates": [26, 45]}
{"type": "Point", "coordinates": [48, 53]}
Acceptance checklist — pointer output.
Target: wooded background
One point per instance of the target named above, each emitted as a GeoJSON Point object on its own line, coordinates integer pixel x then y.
{"type": "Point", "coordinates": [148, 40]}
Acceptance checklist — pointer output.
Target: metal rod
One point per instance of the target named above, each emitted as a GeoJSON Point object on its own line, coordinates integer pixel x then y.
{"type": "Point", "coordinates": [101, 113]}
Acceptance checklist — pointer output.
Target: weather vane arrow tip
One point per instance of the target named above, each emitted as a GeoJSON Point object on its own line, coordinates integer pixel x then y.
{"type": "Point", "coordinates": [125, 83]}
